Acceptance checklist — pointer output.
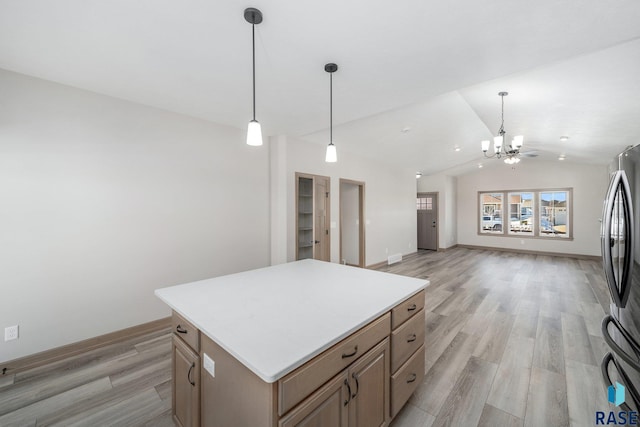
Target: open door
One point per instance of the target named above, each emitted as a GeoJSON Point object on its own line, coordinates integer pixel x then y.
{"type": "Point", "coordinates": [312, 217]}
{"type": "Point", "coordinates": [352, 248]}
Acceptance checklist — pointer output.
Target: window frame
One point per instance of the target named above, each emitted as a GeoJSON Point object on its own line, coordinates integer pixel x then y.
{"type": "Point", "coordinates": [536, 233]}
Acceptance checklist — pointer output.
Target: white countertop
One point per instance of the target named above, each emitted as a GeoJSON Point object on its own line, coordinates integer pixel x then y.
{"type": "Point", "coordinates": [275, 319]}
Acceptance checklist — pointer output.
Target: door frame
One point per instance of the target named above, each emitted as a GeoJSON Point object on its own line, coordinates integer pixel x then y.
{"type": "Point", "coordinates": [299, 175]}
{"type": "Point", "coordinates": [361, 229]}
{"type": "Point", "coordinates": [436, 195]}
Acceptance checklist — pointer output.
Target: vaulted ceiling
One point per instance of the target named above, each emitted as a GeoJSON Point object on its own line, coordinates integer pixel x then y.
{"type": "Point", "coordinates": [416, 78]}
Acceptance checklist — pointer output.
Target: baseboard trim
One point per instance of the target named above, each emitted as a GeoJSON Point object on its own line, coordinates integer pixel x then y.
{"type": "Point", "coordinates": [530, 252]}
{"type": "Point", "coordinates": [447, 249]}
{"type": "Point", "coordinates": [69, 350]}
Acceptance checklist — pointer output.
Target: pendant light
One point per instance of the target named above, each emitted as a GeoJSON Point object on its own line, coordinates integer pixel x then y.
{"type": "Point", "coordinates": [511, 153]}
{"type": "Point", "coordinates": [332, 155]}
{"type": "Point", "coordinates": [254, 132]}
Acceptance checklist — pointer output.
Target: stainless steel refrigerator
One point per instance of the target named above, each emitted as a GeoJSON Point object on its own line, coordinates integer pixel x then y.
{"type": "Point", "coordinates": [621, 260]}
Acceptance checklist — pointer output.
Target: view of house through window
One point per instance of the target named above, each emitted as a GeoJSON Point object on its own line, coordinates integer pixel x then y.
{"type": "Point", "coordinates": [491, 213]}
{"type": "Point", "coordinates": [543, 213]}
{"type": "Point", "coordinates": [521, 214]}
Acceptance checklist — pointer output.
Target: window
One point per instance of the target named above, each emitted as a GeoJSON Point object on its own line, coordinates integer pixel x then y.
{"type": "Point", "coordinates": [424, 203]}
{"type": "Point", "coordinates": [490, 213]}
{"type": "Point", "coordinates": [521, 218]}
{"type": "Point", "coordinates": [554, 219]}
{"type": "Point", "coordinates": [527, 213]}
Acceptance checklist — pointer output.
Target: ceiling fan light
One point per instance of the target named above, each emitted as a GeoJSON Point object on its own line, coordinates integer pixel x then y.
{"type": "Point", "coordinates": [254, 134]}
{"type": "Point", "coordinates": [485, 145]}
{"type": "Point", "coordinates": [332, 155]}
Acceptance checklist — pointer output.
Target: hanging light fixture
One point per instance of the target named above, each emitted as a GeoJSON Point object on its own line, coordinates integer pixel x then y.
{"type": "Point", "coordinates": [254, 132]}
{"type": "Point", "coordinates": [332, 155]}
{"type": "Point", "coordinates": [511, 153]}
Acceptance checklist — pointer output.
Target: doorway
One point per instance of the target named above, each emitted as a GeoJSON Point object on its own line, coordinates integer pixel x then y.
{"type": "Point", "coordinates": [312, 217]}
{"type": "Point", "coordinates": [427, 205]}
{"type": "Point", "coordinates": [352, 248]}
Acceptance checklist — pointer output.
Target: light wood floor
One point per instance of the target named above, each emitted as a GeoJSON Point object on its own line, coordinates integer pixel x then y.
{"type": "Point", "coordinates": [512, 340]}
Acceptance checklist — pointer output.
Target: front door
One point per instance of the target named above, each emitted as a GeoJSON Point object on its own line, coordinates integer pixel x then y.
{"type": "Point", "coordinates": [427, 205]}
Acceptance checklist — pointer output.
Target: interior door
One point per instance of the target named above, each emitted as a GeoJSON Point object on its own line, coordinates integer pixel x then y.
{"type": "Point", "coordinates": [427, 206]}
{"type": "Point", "coordinates": [321, 219]}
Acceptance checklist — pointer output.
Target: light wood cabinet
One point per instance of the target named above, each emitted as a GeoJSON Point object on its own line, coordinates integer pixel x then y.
{"type": "Point", "coordinates": [357, 397]}
{"type": "Point", "coordinates": [407, 350]}
{"type": "Point", "coordinates": [350, 384]}
{"type": "Point", "coordinates": [186, 384]}
{"type": "Point", "coordinates": [369, 384]}
{"type": "Point", "coordinates": [326, 407]}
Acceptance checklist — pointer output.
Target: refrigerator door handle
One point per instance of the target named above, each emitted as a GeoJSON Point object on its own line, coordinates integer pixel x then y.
{"type": "Point", "coordinates": [619, 288]}
{"type": "Point", "coordinates": [624, 378]}
{"type": "Point", "coordinates": [619, 351]}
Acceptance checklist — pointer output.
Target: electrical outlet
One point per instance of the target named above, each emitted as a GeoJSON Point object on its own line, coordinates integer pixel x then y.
{"type": "Point", "coordinates": [209, 365]}
{"type": "Point", "coordinates": [11, 333]}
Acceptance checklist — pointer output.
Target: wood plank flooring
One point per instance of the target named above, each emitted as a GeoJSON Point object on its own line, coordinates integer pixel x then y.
{"type": "Point", "coordinates": [512, 340]}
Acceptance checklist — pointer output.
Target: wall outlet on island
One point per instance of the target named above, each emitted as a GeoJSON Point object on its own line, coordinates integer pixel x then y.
{"type": "Point", "coordinates": [209, 365]}
{"type": "Point", "coordinates": [11, 333]}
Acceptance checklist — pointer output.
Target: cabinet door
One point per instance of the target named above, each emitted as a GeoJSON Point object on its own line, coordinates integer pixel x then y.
{"type": "Point", "coordinates": [186, 384]}
{"type": "Point", "coordinates": [369, 382]}
{"type": "Point", "coordinates": [327, 407]}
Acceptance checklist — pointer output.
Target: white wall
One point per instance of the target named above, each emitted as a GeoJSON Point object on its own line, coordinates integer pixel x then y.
{"type": "Point", "coordinates": [102, 201]}
{"type": "Point", "coordinates": [589, 185]}
{"type": "Point", "coordinates": [390, 213]}
{"type": "Point", "coordinates": [350, 222]}
{"type": "Point", "coordinates": [446, 188]}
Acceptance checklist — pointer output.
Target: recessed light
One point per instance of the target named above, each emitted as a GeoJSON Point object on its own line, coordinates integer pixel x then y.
{"type": "Point", "coordinates": [480, 165]}
{"type": "Point", "coordinates": [406, 130]}
{"type": "Point", "coordinates": [457, 148]}
{"type": "Point", "coordinates": [564, 138]}
{"type": "Point", "coordinates": [561, 157]}
{"type": "Point", "coordinates": [418, 174]}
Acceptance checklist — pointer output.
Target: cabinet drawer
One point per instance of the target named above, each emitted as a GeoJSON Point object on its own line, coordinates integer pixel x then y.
{"type": "Point", "coordinates": [300, 383]}
{"type": "Point", "coordinates": [186, 331]}
{"type": "Point", "coordinates": [407, 339]}
{"type": "Point", "coordinates": [406, 380]}
{"type": "Point", "coordinates": [407, 309]}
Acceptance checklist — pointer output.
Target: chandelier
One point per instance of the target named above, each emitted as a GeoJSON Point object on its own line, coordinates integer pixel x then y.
{"type": "Point", "coordinates": [511, 153]}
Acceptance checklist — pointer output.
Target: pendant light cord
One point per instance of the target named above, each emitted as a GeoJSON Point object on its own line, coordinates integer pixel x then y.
{"type": "Point", "coordinates": [253, 39]}
{"type": "Point", "coordinates": [331, 108]}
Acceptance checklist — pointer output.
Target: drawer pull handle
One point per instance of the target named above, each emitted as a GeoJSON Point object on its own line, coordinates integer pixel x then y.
{"type": "Point", "coordinates": [193, 365]}
{"type": "Point", "coordinates": [412, 307]}
{"type": "Point", "coordinates": [181, 330]}
{"type": "Point", "coordinates": [344, 355]}
{"type": "Point", "coordinates": [355, 377]}
{"type": "Point", "coordinates": [346, 382]}
{"type": "Point", "coordinates": [412, 378]}
{"type": "Point", "coordinates": [412, 338]}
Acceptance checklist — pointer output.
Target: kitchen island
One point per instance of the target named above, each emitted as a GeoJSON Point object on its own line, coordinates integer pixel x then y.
{"type": "Point", "coordinates": [305, 340]}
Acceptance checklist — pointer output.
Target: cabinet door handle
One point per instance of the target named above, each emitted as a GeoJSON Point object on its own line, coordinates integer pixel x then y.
{"type": "Point", "coordinates": [344, 355]}
{"type": "Point", "coordinates": [412, 307]}
{"type": "Point", "coordinates": [412, 378]}
{"type": "Point", "coordinates": [346, 382]}
{"type": "Point", "coordinates": [193, 365]}
{"type": "Point", "coordinates": [412, 338]}
{"type": "Point", "coordinates": [181, 330]}
{"type": "Point", "coordinates": [355, 377]}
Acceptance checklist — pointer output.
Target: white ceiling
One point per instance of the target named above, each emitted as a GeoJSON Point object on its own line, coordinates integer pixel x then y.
{"type": "Point", "coordinates": [571, 67]}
